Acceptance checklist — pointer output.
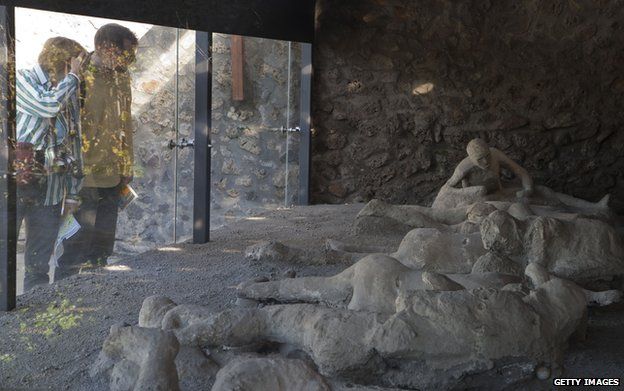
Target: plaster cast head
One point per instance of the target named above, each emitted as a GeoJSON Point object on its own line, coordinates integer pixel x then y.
{"type": "Point", "coordinates": [502, 233]}
{"type": "Point", "coordinates": [478, 211]}
{"type": "Point", "coordinates": [479, 153]}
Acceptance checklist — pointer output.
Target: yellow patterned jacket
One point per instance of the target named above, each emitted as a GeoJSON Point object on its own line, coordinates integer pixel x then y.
{"type": "Point", "coordinates": [106, 126]}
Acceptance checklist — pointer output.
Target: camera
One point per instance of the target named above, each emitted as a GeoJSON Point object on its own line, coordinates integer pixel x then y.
{"type": "Point", "coordinates": [62, 161]}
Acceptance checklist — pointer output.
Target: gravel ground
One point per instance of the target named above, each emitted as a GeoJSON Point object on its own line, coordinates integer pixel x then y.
{"type": "Point", "coordinates": [56, 332]}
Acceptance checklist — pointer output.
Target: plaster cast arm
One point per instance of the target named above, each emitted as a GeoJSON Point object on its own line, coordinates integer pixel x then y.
{"type": "Point", "coordinates": [459, 175]}
{"type": "Point", "coordinates": [518, 170]}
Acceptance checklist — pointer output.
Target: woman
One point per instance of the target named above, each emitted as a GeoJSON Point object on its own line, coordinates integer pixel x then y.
{"type": "Point", "coordinates": [48, 133]}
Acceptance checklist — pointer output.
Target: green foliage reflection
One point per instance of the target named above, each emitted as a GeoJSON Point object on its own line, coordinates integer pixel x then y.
{"type": "Point", "coordinates": [58, 316]}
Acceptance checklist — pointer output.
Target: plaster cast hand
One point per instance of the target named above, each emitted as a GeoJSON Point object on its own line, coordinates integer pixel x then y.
{"type": "Point", "coordinates": [518, 170]}
{"type": "Point", "coordinates": [524, 193]}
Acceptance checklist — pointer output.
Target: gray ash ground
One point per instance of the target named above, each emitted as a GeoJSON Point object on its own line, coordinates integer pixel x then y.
{"type": "Point", "coordinates": [55, 334]}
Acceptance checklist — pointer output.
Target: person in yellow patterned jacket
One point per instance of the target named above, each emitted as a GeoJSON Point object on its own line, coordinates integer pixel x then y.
{"type": "Point", "coordinates": [106, 146]}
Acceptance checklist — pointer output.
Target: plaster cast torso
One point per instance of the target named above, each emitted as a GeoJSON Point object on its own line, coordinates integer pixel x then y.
{"type": "Point", "coordinates": [491, 173]}
{"type": "Point", "coordinates": [581, 249]}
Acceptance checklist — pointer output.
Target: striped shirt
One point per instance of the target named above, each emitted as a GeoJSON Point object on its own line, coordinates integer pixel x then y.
{"type": "Point", "coordinates": [39, 106]}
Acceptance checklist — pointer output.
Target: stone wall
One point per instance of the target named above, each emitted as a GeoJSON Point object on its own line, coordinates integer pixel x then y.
{"type": "Point", "coordinates": [401, 86]}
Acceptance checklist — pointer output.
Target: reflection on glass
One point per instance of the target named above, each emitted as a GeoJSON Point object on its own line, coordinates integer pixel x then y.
{"type": "Point", "coordinates": [98, 103]}
{"type": "Point", "coordinates": [255, 150]}
{"type": "Point", "coordinates": [48, 156]}
{"type": "Point", "coordinates": [185, 116]}
{"type": "Point", "coordinates": [5, 272]}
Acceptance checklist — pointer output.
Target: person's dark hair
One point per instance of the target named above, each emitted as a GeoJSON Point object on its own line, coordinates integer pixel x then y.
{"type": "Point", "coordinates": [56, 55]}
{"type": "Point", "coordinates": [114, 34]}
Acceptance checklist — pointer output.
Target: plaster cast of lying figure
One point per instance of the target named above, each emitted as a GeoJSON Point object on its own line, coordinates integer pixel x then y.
{"type": "Point", "coordinates": [577, 248]}
{"type": "Point", "coordinates": [487, 162]}
{"type": "Point", "coordinates": [582, 250]}
{"type": "Point", "coordinates": [371, 284]}
{"type": "Point", "coordinates": [461, 219]}
{"type": "Point", "coordinates": [376, 281]}
{"type": "Point", "coordinates": [432, 340]}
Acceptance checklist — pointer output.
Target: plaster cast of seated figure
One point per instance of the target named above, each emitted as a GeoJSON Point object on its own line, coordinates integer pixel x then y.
{"type": "Point", "coordinates": [581, 249]}
{"type": "Point", "coordinates": [451, 331]}
{"type": "Point", "coordinates": [488, 161]}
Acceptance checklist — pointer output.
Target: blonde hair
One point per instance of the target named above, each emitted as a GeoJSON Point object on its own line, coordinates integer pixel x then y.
{"type": "Point", "coordinates": [57, 53]}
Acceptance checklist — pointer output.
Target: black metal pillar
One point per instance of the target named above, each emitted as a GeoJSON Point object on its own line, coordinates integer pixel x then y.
{"type": "Point", "coordinates": [8, 234]}
{"type": "Point", "coordinates": [203, 123]}
{"type": "Point", "coordinates": [305, 124]}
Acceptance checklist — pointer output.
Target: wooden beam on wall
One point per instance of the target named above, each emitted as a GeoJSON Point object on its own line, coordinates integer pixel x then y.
{"type": "Point", "coordinates": [237, 51]}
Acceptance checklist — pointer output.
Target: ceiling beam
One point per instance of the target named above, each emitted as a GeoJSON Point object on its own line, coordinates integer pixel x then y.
{"type": "Point", "coordinates": [289, 20]}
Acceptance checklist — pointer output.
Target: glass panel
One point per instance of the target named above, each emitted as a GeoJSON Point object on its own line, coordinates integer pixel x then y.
{"type": "Point", "coordinates": [186, 135]}
{"type": "Point", "coordinates": [149, 221]}
{"type": "Point", "coordinates": [254, 154]}
{"type": "Point", "coordinates": [128, 119]}
{"type": "Point", "coordinates": [291, 192]}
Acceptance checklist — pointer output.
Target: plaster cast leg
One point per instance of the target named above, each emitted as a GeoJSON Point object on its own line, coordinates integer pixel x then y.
{"type": "Point", "coordinates": [574, 202]}
{"type": "Point", "coordinates": [334, 291]}
{"type": "Point", "coordinates": [414, 215]}
{"type": "Point", "coordinates": [538, 275]}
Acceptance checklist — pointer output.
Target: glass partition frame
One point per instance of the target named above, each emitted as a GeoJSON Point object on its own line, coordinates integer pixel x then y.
{"type": "Point", "coordinates": [202, 155]}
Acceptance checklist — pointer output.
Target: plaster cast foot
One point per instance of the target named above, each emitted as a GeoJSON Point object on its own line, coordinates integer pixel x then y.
{"type": "Point", "coordinates": [603, 298]}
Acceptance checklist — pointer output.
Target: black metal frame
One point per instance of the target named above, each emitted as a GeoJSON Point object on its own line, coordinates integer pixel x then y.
{"type": "Point", "coordinates": [203, 124]}
{"type": "Point", "coordinates": [8, 231]}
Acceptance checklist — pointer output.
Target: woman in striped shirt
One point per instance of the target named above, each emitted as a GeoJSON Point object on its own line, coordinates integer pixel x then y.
{"type": "Point", "coordinates": [48, 121]}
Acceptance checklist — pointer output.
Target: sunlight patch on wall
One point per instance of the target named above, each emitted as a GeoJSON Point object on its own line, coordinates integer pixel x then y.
{"type": "Point", "coordinates": [422, 89]}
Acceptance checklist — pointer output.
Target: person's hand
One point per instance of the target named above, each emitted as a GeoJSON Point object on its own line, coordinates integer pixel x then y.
{"type": "Point", "coordinates": [75, 64]}
{"type": "Point", "coordinates": [126, 179]}
{"type": "Point", "coordinates": [70, 206]}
